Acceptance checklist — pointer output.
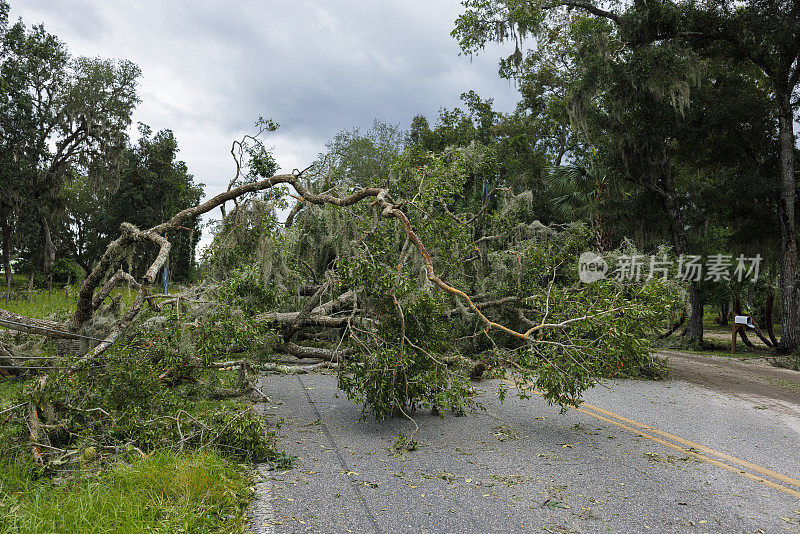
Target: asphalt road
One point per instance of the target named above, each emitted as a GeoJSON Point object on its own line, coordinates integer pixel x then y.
{"type": "Point", "coordinates": [639, 457]}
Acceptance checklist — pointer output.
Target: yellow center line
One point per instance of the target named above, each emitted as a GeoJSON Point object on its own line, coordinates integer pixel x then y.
{"type": "Point", "coordinates": [621, 420]}
{"type": "Point", "coordinates": [744, 463]}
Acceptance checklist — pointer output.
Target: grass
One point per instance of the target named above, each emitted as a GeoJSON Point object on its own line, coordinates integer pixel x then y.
{"type": "Point", "coordinates": [196, 491]}
{"type": "Point", "coordinates": [168, 492]}
{"type": "Point", "coordinates": [718, 348]}
{"type": "Point", "coordinates": [42, 306]}
{"type": "Point", "coordinates": [56, 305]}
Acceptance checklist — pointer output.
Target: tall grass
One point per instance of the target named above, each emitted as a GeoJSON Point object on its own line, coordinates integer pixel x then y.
{"type": "Point", "coordinates": [53, 305]}
{"type": "Point", "coordinates": [169, 492]}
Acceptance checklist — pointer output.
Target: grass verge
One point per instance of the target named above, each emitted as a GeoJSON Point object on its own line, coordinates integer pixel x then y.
{"type": "Point", "coordinates": [167, 492]}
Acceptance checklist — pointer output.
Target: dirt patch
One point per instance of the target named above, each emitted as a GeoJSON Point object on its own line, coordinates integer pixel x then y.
{"type": "Point", "coordinates": [724, 337]}
{"type": "Point", "coordinates": [743, 378]}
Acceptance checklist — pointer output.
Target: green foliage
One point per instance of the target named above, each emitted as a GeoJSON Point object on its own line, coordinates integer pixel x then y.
{"type": "Point", "coordinates": [403, 444]}
{"type": "Point", "coordinates": [247, 255]}
{"type": "Point", "coordinates": [244, 288]}
{"type": "Point", "coordinates": [128, 403]}
{"type": "Point", "coordinates": [610, 344]}
{"type": "Point", "coordinates": [65, 270]}
{"type": "Point", "coordinates": [154, 185]}
{"type": "Point", "coordinates": [224, 327]}
{"type": "Point", "coordinates": [483, 237]}
{"type": "Point", "coordinates": [366, 159]}
{"type": "Point", "coordinates": [389, 383]}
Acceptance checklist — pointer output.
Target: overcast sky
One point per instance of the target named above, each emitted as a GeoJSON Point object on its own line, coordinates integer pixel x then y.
{"type": "Point", "coordinates": [316, 67]}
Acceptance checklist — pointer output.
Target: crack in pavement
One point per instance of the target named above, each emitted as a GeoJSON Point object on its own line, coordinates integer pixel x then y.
{"type": "Point", "coordinates": [339, 456]}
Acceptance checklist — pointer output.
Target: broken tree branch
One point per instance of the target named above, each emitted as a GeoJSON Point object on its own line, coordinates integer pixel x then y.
{"type": "Point", "coordinates": [331, 355]}
{"type": "Point", "coordinates": [109, 286]}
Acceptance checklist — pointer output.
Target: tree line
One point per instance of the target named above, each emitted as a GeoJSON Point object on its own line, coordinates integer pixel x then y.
{"type": "Point", "coordinates": [664, 121]}
{"type": "Point", "coordinates": [69, 173]}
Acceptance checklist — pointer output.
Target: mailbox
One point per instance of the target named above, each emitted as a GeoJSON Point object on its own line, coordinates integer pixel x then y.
{"type": "Point", "coordinates": [745, 320]}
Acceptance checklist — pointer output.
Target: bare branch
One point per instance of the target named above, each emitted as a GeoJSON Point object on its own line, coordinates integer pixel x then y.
{"type": "Point", "coordinates": [109, 286]}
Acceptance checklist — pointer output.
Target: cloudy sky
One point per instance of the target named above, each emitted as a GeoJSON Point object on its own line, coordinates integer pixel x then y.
{"type": "Point", "coordinates": [316, 67]}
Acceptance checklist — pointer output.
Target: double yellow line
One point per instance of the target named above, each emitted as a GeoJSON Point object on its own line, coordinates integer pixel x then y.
{"type": "Point", "coordinates": [743, 468]}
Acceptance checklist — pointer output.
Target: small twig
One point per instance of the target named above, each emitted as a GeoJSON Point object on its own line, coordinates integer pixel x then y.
{"type": "Point", "coordinates": [416, 426]}
{"type": "Point", "coordinates": [13, 408]}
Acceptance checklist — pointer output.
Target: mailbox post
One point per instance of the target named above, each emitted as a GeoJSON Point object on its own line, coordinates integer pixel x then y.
{"type": "Point", "coordinates": [740, 322]}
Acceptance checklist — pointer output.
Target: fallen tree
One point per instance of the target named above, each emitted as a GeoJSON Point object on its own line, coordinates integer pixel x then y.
{"type": "Point", "coordinates": [392, 305]}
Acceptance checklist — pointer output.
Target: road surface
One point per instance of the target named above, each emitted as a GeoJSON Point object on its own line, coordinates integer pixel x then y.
{"type": "Point", "coordinates": [670, 456]}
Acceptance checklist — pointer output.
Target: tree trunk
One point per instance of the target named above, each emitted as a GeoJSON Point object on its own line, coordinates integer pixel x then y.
{"type": "Point", "coordinates": [737, 310]}
{"type": "Point", "coordinates": [790, 320]}
{"type": "Point", "coordinates": [724, 311]}
{"type": "Point", "coordinates": [48, 248]}
{"type": "Point", "coordinates": [768, 317]}
{"type": "Point", "coordinates": [7, 249]}
{"type": "Point", "coordinates": [694, 325]}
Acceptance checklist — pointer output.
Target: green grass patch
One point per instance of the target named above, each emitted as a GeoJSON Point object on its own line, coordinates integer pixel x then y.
{"type": "Point", "coordinates": [168, 492]}
{"type": "Point", "coordinates": [41, 305]}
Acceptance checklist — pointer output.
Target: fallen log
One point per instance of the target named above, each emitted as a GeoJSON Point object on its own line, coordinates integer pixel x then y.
{"type": "Point", "coordinates": [29, 325]}
{"type": "Point", "coordinates": [301, 351]}
{"type": "Point", "coordinates": [293, 318]}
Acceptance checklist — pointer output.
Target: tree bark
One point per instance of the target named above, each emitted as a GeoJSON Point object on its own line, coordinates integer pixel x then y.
{"type": "Point", "coordinates": [7, 248]}
{"type": "Point", "coordinates": [790, 320]}
{"type": "Point", "coordinates": [48, 248]}
{"type": "Point", "coordinates": [694, 325]}
{"type": "Point", "coordinates": [22, 323]}
{"type": "Point", "coordinates": [109, 286]}
{"type": "Point", "coordinates": [768, 305]}
{"type": "Point", "coordinates": [737, 310]}
{"type": "Point", "coordinates": [724, 311]}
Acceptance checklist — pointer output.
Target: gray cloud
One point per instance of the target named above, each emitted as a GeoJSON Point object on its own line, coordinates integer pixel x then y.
{"type": "Point", "coordinates": [210, 69]}
{"type": "Point", "coordinates": [82, 17]}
